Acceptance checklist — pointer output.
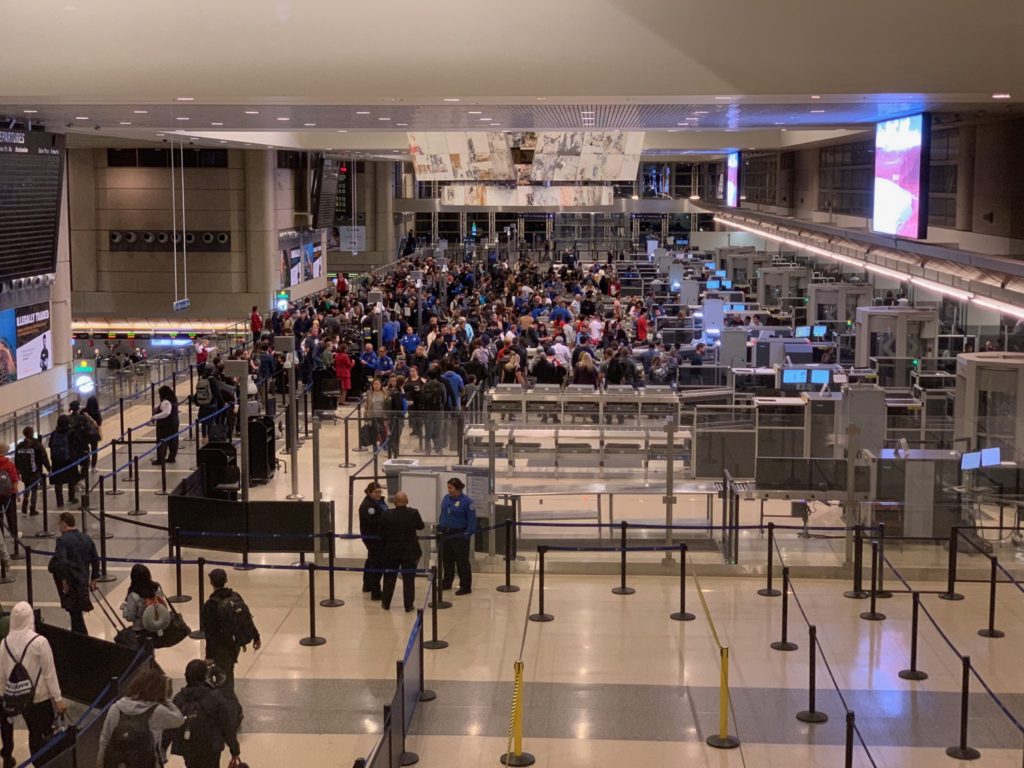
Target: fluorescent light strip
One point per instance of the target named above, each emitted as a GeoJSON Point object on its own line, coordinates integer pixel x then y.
{"type": "Point", "coordinates": [999, 306]}
{"type": "Point", "coordinates": [945, 290]}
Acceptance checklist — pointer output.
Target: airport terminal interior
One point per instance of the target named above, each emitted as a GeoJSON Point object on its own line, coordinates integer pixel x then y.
{"type": "Point", "coordinates": [577, 383]}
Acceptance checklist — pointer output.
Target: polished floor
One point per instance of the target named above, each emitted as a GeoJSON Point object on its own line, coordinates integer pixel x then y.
{"type": "Point", "coordinates": [612, 679]}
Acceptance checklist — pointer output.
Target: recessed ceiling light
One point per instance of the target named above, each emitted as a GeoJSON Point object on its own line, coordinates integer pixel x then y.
{"type": "Point", "coordinates": [680, 124]}
{"type": "Point", "coordinates": [1000, 95]}
{"type": "Point", "coordinates": [815, 96]}
{"type": "Point", "coordinates": [248, 145]}
{"type": "Point", "coordinates": [161, 134]}
{"type": "Point", "coordinates": [31, 111]}
{"type": "Point", "coordinates": [778, 123]}
{"type": "Point", "coordinates": [452, 100]}
{"type": "Point", "coordinates": [673, 130]}
{"type": "Point", "coordinates": [474, 112]}
{"type": "Point", "coordinates": [486, 119]}
{"type": "Point", "coordinates": [181, 118]}
{"type": "Point", "coordinates": [252, 112]}
{"type": "Point", "coordinates": [495, 125]}
{"type": "Point", "coordinates": [124, 122]}
{"type": "Point", "coordinates": [362, 113]}
{"type": "Point", "coordinates": [701, 112]}
{"type": "Point", "coordinates": [722, 98]}
{"type": "Point", "coordinates": [141, 111]}
{"type": "Point", "coordinates": [185, 98]}
{"type": "Point", "coordinates": [342, 131]}
{"type": "Point", "coordinates": [81, 118]}
{"type": "Point", "coordinates": [692, 119]}
{"type": "Point", "coordinates": [309, 125]}
{"type": "Point", "coordinates": [384, 119]}
{"type": "Point", "coordinates": [283, 119]}
{"type": "Point", "coordinates": [542, 98]}
{"type": "Point", "coordinates": [586, 112]}
{"type": "Point", "coordinates": [216, 123]}
{"type": "Point", "coordinates": [817, 111]}
{"type": "Point", "coordinates": [402, 124]}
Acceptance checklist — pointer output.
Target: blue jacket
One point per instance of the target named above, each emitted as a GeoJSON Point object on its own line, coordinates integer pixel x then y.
{"type": "Point", "coordinates": [456, 385]}
{"type": "Point", "coordinates": [458, 513]}
{"type": "Point", "coordinates": [409, 343]}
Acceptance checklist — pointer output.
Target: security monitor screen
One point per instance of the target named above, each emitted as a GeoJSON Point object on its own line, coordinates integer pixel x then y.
{"type": "Point", "coordinates": [727, 284]}
{"type": "Point", "coordinates": [714, 285]}
{"type": "Point", "coordinates": [991, 457]}
{"type": "Point", "coordinates": [820, 376]}
{"type": "Point", "coordinates": [720, 273]}
{"type": "Point", "coordinates": [819, 331]}
{"type": "Point", "coordinates": [710, 265]}
{"type": "Point", "coordinates": [803, 331]}
{"type": "Point", "coordinates": [794, 376]}
{"type": "Point", "coordinates": [970, 461]}
{"type": "Point", "coordinates": [901, 167]}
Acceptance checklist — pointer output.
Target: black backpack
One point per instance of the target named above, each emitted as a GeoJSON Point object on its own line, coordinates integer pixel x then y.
{"type": "Point", "coordinates": [204, 392]}
{"type": "Point", "coordinates": [196, 737]}
{"type": "Point", "coordinates": [82, 433]}
{"type": "Point", "coordinates": [236, 620]}
{"type": "Point", "coordinates": [20, 688]}
{"type": "Point", "coordinates": [25, 459]}
{"type": "Point", "coordinates": [131, 743]}
{"type": "Point", "coordinates": [433, 396]}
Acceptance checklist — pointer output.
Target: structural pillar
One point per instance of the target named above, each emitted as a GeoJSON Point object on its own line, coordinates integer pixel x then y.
{"type": "Point", "coordinates": [262, 259]}
{"type": "Point", "coordinates": [383, 210]}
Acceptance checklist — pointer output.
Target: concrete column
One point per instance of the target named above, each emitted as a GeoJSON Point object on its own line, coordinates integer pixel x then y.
{"type": "Point", "coordinates": [60, 292]}
{"type": "Point", "coordinates": [965, 178]}
{"type": "Point", "coordinates": [262, 258]}
{"type": "Point", "coordinates": [383, 209]}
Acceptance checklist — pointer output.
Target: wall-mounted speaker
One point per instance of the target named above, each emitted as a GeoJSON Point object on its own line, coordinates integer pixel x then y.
{"type": "Point", "coordinates": [149, 238]}
{"type": "Point", "coordinates": [116, 237]}
{"type": "Point", "coordinates": [190, 238]}
{"type": "Point", "coordinates": [214, 241]}
{"type": "Point", "coordinates": [207, 237]}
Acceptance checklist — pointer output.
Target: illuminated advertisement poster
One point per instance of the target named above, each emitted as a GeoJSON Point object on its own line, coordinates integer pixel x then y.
{"type": "Point", "coordinates": [318, 260]}
{"type": "Point", "coordinates": [901, 163]}
{"type": "Point", "coordinates": [8, 347]}
{"type": "Point", "coordinates": [34, 339]}
{"type": "Point", "coordinates": [282, 269]}
{"type": "Point", "coordinates": [295, 266]}
{"type": "Point", "coordinates": [732, 180]}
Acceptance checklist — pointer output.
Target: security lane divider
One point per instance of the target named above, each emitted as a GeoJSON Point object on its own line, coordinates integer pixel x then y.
{"type": "Point", "coordinates": [514, 754]}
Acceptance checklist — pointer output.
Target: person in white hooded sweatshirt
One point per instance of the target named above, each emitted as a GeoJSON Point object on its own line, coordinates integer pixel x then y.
{"type": "Point", "coordinates": [38, 663]}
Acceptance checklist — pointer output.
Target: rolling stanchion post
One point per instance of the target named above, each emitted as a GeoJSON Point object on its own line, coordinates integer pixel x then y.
{"type": "Point", "coordinates": [13, 528]}
{"type": "Point", "coordinates": [331, 601]}
{"type": "Point", "coordinates": [881, 592]}
{"type": "Point", "coordinates": [152, 395]}
{"type": "Point", "coordinates": [433, 644]}
{"type": "Point", "coordinates": [45, 533]}
{"type": "Point", "coordinates": [200, 634]}
{"type": "Point", "coordinates": [113, 470]}
{"type": "Point", "coordinates": [425, 693]}
{"type": "Point", "coordinates": [722, 739]}
{"type": "Point", "coordinates": [914, 673]}
{"type": "Point", "coordinates": [857, 593]}
{"type": "Point", "coordinates": [851, 720]}
{"type": "Point", "coordinates": [305, 412]}
{"type": "Point", "coordinates": [163, 479]}
{"type": "Point", "coordinates": [131, 457]}
{"type": "Point", "coordinates": [991, 631]}
{"type": "Point", "coordinates": [872, 614]}
{"type": "Point", "coordinates": [622, 589]}
{"type": "Point", "coordinates": [120, 415]}
{"type": "Point", "coordinates": [951, 593]}
{"type": "Point", "coordinates": [5, 576]}
{"type": "Point", "coordinates": [682, 614]}
{"type": "Point", "coordinates": [28, 575]}
{"type": "Point", "coordinates": [540, 615]}
{"type": "Point", "coordinates": [348, 461]}
{"type": "Point", "coordinates": [177, 597]}
{"type": "Point", "coordinates": [104, 576]}
{"type": "Point", "coordinates": [508, 586]}
{"type": "Point", "coordinates": [137, 511]}
{"type": "Point", "coordinates": [769, 590]}
{"type": "Point", "coordinates": [191, 421]}
{"type": "Point", "coordinates": [811, 714]}
{"type": "Point", "coordinates": [515, 757]}
{"type": "Point", "coordinates": [961, 751]}
{"type": "Point", "coordinates": [784, 644]}
{"type": "Point", "coordinates": [439, 602]}
{"type": "Point", "coordinates": [313, 638]}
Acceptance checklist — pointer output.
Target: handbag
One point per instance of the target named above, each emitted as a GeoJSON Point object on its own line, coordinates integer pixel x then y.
{"type": "Point", "coordinates": [175, 632]}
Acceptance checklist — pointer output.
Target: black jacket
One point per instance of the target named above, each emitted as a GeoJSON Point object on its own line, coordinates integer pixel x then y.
{"type": "Point", "coordinates": [369, 522]}
{"type": "Point", "coordinates": [73, 565]}
{"type": "Point", "coordinates": [216, 713]}
{"type": "Point", "coordinates": [398, 529]}
{"type": "Point", "coordinates": [218, 642]}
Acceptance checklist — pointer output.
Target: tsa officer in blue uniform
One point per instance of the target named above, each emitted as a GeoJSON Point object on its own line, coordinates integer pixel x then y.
{"type": "Point", "coordinates": [456, 525]}
{"type": "Point", "coordinates": [370, 512]}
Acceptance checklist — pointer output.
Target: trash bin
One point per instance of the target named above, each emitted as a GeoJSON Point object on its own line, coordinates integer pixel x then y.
{"type": "Point", "coordinates": [392, 471]}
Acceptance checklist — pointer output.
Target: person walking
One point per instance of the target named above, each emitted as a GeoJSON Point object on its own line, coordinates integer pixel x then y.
{"type": "Point", "coordinates": [432, 401]}
{"type": "Point", "coordinates": [167, 425]}
{"type": "Point", "coordinates": [209, 722]}
{"type": "Point", "coordinates": [229, 628]}
{"type": "Point", "coordinates": [75, 567]}
{"type": "Point", "coordinates": [32, 651]}
{"type": "Point", "coordinates": [376, 411]}
{"type": "Point", "coordinates": [142, 592]}
{"type": "Point", "coordinates": [456, 525]}
{"type": "Point", "coordinates": [397, 406]}
{"type": "Point", "coordinates": [83, 434]}
{"type": "Point", "coordinates": [401, 550]}
{"type": "Point", "coordinates": [133, 730]}
{"type": "Point", "coordinates": [370, 511]}
{"type": "Point", "coordinates": [30, 460]}
{"type": "Point", "coordinates": [60, 460]}
{"type": "Point", "coordinates": [92, 410]}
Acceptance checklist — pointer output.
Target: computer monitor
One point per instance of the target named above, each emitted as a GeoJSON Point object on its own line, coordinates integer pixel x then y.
{"type": "Point", "coordinates": [803, 331]}
{"type": "Point", "coordinates": [820, 376]}
{"type": "Point", "coordinates": [736, 307]}
{"type": "Point", "coordinates": [970, 461]}
{"type": "Point", "coordinates": [819, 331]}
{"type": "Point", "coordinates": [710, 265]}
{"type": "Point", "coordinates": [794, 376]}
{"type": "Point", "coordinates": [721, 273]}
{"type": "Point", "coordinates": [799, 354]}
{"type": "Point", "coordinates": [714, 285]}
{"type": "Point", "coordinates": [991, 457]}
{"type": "Point", "coordinates": [727, 284]}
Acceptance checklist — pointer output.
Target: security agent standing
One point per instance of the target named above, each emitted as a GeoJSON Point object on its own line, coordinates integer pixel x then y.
{"type": "Point", "coordinates": [400, 549]}
{"type": "Point", "coordinates": [370, 511]}
{"type": "Point", "coordinates": [456, 526]}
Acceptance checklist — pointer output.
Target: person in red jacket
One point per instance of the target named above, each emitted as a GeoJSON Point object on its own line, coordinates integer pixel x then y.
{"type": "Point", "coordinates": [256, 324]}
{"type": "Point", "coordinates": [9, 479]}
{"type": "Point", "coordinates": [641, 327]}
{"type": "Point", "coordinates": [343, 370]}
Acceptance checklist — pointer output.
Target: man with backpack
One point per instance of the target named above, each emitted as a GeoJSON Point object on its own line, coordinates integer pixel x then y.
{"type": "Point", "coordinates": [207, 397]}
{"type": "Point", "coordinates": [75, 567]}
{"type": "Point", "coordinates": [30, 685]}
{"type": "Point", "coordinates": [30, 459]}
{"type": "Point", "coordinates": [83, 433]}
{"type": "Point", "coordinates": [432, 403]}
{"type": "Point", "coordinates": [229, 628]}
{"type": "Point", "coordinates": [209, 721]}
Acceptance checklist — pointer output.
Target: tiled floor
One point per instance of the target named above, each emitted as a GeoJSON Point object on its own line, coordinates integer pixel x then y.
{"type": "Point", "coordinates": [612, 679]}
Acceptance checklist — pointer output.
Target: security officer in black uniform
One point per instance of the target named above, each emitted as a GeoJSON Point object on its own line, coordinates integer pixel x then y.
{"type": "Point", "coordinates": [370, 511]}
{"type": "Point", "coordinates": [398, 527]}
{"type": "Point", "coordinates": [456, 525]}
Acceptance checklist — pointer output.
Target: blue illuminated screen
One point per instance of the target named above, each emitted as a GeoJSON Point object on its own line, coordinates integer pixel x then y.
{"type": "Point", "coordinates": [820, 376]}
{"type": "Point", "coordinates": [991, 457]}
{"type": "Point", "coordinates": [714, 285]}
{"type": "Point", "coordinates": [794, 376]}
{"type": "Point", "coordinates": [970, 461]}
{"type": "Point", "coordinates": [803, 331]}
{"type": "Point", "coordinates": [819, 331]}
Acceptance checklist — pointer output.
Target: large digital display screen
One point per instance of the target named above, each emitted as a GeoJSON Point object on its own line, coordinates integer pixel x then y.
{"type": "Point", "coordinates": [732, 179]}
{"type": "Point", "coordinates": [901, 176]}
{"type": "Point", "coordinates": [25, 341]}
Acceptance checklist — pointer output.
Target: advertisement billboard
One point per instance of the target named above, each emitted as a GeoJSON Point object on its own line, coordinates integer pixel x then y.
{"type": "Point", "coordinates": [34, 339]}
{"type": "Point", "coordinates": [901, 177]}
